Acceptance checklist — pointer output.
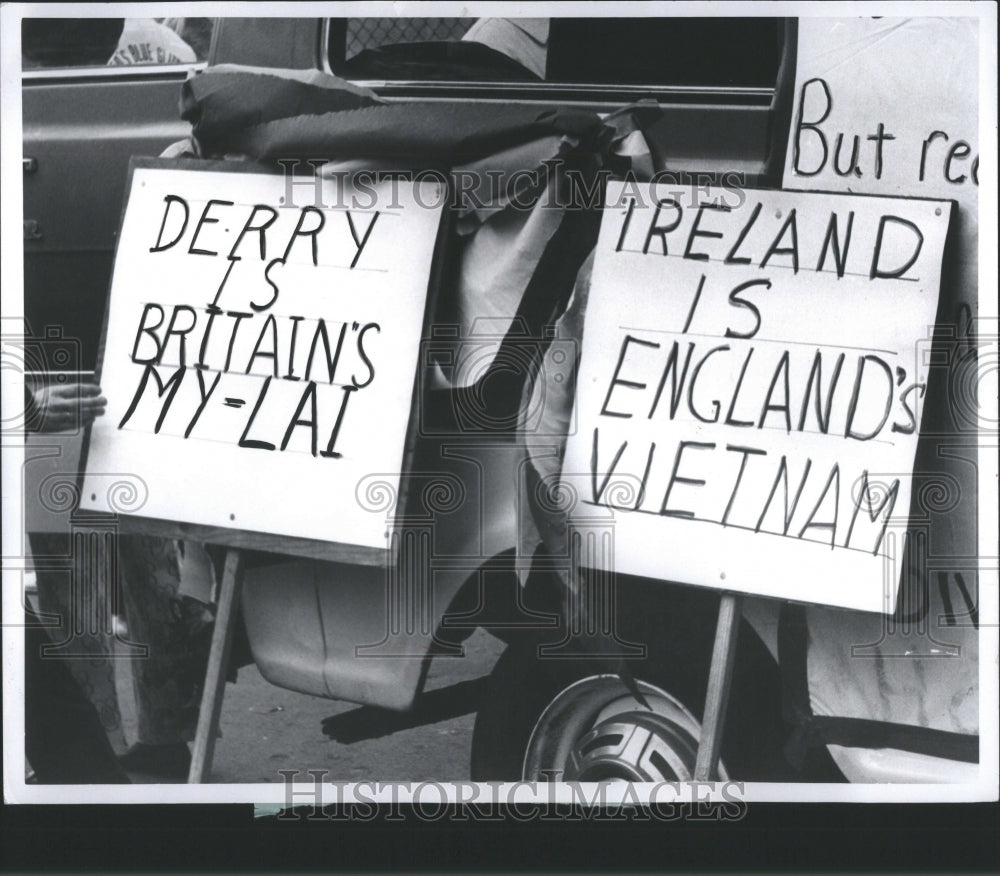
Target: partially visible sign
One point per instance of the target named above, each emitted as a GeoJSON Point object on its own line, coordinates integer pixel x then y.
{"type": "Point", "coordinates": [259, 357]}
{"type": "Point", "coordinates": [748, 403]}
{"type": "Point", "coordinates": [890, 106]}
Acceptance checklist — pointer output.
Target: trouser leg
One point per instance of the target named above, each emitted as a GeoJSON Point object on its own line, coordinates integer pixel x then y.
{"type": "Point", "coordinates": [79, 610]}
{"type": "Point", "coordinates": [64, 740]}
{"type": "Point", "coordinates": [176, 631]}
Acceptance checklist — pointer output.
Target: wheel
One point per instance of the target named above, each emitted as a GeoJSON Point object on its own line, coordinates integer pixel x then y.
{"type": "Point", "coordinates": [568, 720]}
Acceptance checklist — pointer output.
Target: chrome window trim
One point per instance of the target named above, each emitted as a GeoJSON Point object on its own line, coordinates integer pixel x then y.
{"type": "Point", "coordinates": [124, 71]}
{"type": "Point", "coordinates": [573, 92]}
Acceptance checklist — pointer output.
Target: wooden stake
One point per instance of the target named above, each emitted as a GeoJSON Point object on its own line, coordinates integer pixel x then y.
{"type": "Point", "coordinates": [218, 662]}
{"type": "Point", "coordinates": [720, 675]}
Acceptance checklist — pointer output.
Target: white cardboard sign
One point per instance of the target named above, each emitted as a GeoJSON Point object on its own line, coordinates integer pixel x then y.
{"type": "Point", "coordinates": [748, 398]}
{"type": "Point", "coordinates": [260, 352]}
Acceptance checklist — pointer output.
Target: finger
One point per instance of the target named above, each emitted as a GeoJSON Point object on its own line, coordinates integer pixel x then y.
{"type": "Point", "coordinates": [76, 390]}
{"type": "Point", "coordinates": [59, 406]}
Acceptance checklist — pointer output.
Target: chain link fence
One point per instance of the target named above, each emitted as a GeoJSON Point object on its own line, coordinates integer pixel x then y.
{"type": "Point", "coordinates": [369, 33]}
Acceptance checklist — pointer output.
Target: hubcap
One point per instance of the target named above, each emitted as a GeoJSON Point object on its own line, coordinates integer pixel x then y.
{"type": "Point", "coordinates": [595, 731]}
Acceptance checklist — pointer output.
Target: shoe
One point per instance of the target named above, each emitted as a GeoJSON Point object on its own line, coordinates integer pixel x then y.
{"type": "Point", "coordinates": [171, 761]}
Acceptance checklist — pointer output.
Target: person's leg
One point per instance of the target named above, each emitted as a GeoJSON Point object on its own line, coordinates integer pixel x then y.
{"type": "Point", "coordinates": [176, 631]}
{"type": "Point", "coordinates": [80, 606]}
{"type": "Point", "coordinates": [64, 740]}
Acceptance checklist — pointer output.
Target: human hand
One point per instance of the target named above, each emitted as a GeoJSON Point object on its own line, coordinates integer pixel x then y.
{"type": "Point", "coordinates": [68, 406]}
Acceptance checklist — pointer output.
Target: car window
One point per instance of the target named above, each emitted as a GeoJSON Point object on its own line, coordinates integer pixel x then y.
{"type": "Point", "coordinates": [53, 43]}
{"type": "Point", "coordinates": [650, 52]}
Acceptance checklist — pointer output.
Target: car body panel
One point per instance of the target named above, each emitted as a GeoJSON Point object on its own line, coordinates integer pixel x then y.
{"type": "Point", "coordinates": [363, 633]}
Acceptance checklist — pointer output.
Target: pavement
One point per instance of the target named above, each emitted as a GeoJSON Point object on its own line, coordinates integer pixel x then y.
{"type": "Point", "coordinates": [266, 728]}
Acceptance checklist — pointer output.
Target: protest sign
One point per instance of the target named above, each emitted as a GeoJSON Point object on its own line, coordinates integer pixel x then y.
{"type": "Point", "coordinates": [750, 388]}
{"type": "Point", "coordinates": [260, 352]}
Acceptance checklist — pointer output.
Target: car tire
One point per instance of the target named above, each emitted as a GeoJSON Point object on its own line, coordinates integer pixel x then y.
{"type": "Point", "coordinates": [523, 688]}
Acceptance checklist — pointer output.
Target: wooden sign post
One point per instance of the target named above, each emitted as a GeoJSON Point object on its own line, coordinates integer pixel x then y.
{"type": "Point", "coordinates": [749, 394]}
{"type": "Point", "coordinates": [720, 677]}
{"type": "Point", "coordinates": [218, 662]}
{"type": "Point", "coordinates": [259, 358]}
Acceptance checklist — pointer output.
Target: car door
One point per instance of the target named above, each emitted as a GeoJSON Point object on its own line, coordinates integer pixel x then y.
{"type": "Point", "coordinates": [82, 121]}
